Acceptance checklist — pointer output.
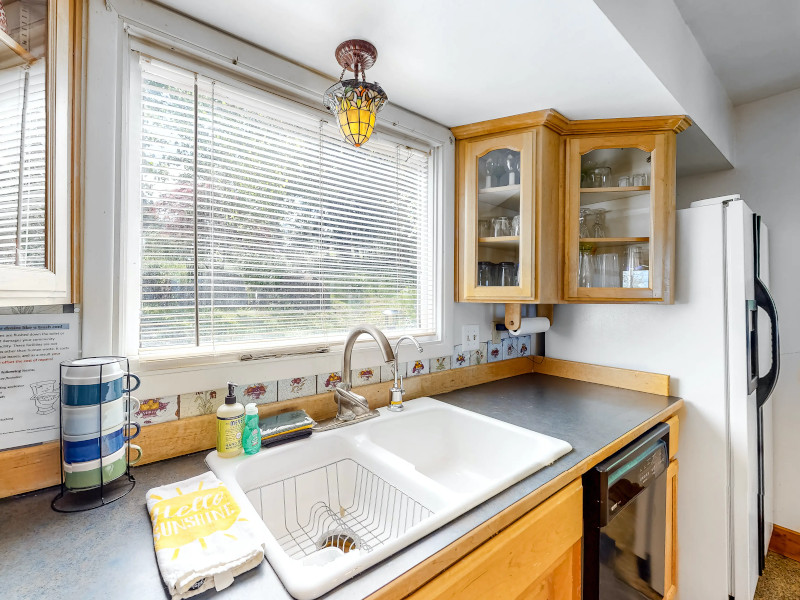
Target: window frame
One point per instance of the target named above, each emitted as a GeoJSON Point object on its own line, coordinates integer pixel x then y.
{"type": "Point", "coordinates": [53, 283]}
{"type": "Point", "coordinates": [129, 268]}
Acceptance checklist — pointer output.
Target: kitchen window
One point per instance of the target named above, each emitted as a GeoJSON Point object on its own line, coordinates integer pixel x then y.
{"type": "Point", "coordinates": [252, 223]}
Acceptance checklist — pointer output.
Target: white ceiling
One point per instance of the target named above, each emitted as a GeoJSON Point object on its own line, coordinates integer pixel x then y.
{"type": "Point", "coordinates": [459, 62]}
{"type": "Point", "coordinates": [753, 46]}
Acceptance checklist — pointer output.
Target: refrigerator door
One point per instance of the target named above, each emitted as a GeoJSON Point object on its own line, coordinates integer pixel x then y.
{"type": "Point", "coordinates": [766, 381]}
{"type": "Point", "coordinates": [742, 440]}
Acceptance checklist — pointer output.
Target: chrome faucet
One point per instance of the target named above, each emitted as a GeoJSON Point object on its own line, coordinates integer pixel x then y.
{"type": "Point", "coordinates": [354, 407]}
{"type": "Point", "coordinates": [397, 391]}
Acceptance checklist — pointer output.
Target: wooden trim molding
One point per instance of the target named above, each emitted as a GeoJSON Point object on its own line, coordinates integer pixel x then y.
{"type": "Point", "coordinates": [560, 124]}
{"type": "Point", "coordinates": [640, 381]}
{"type": "Point", "coordinates": [549, 117]}
{"type": "Point", "coordinates": [785, 542]}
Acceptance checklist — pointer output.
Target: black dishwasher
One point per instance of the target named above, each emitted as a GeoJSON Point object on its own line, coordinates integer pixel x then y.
{"type": "Point", "coordinates": [624, 516]}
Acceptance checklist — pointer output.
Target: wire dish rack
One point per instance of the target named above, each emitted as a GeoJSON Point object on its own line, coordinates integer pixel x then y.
{"type": "Point", "coordinates": [341, 505]}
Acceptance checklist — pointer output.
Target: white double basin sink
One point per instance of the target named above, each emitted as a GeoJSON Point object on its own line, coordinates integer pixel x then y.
{"type": "Point", "coordinates": [330, 506]}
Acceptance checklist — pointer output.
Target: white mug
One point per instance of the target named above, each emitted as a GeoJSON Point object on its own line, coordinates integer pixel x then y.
{"type": "Point", "coordinates": [82, 420]}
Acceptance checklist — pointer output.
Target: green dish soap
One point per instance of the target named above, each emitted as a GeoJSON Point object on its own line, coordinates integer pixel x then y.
{"type": "Point", "coordinates": [251, 437]}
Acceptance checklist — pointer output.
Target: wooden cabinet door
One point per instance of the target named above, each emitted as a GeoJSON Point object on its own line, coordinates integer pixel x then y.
{"type": "Point", "coordinates": [619, 218]}
{"type": "Point", "coordinates": [538, 557]}
{"type": "Point", "coordinates": [671, 549]}
{"type": "Point", "coordinates": [496, 219]}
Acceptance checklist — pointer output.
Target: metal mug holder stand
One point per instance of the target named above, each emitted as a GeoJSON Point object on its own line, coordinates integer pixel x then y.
{"type": "Point", "coordinates": [78, 500]}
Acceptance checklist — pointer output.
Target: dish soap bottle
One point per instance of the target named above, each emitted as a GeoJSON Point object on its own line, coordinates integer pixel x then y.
{"type": "Point", "coordinates": [230, 422]}
{"type": "Point", "coordinates": [251, 439]}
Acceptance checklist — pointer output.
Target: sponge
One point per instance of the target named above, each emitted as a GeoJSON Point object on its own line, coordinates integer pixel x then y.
{"type": "Point", "coordinates": [285, 427]}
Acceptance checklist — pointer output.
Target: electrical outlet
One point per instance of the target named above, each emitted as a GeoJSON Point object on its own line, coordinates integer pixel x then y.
{"type": "Point", "coordinates": [469, 337]}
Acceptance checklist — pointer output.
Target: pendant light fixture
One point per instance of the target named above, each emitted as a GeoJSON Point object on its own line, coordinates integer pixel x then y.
{"type": "Point", "coordinates": [355, 102]}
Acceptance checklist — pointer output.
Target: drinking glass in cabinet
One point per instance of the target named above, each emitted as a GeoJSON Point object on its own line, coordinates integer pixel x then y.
{"type": "Point", "coordinates": [501, 226]}
{"type": "Point", "coordinates": [598, 177]}
{"type": "Point", "coordinates": [606, 269]}
{"type": "Point", "coordinates": [512, 168]}
{"type": "Point", "coordinates": [635, 273]}
{"type": "Point", "coordinates": [599, 226]}
{"type": "Point", "coordinates": [624, 181]}
{"type": "Point", "coordinates": [584, 222]}
{"type": "Point", "coordinates": [485, 228]}
{"type": "Point", "coordinates": [499, 168]}
{"type": "Point", "coordinates": [507, 274]}
{"type": "Point", "coordinates": [585, 267]}
{"type": "Point", "coordinates": [640, 179]}
{"type": "Point", "coordinates": [515, 225]}
{"type": "Point", "coordinates": [489, 167]}
{"type": "Point", "coordinates": [485, 272]}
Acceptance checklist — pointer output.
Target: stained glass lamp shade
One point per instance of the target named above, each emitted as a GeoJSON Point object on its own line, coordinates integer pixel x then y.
{"type": "Point", "coordinates": [354, 102]}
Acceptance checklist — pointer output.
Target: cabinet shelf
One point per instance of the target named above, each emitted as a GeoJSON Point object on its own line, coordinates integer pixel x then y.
{"type": "Point", "coordinates": [615, 241]}
{"type": "Point", "coordinates": [605, 190]}
{"type": "Point", "coordinates": [607, 194]}
{"type": "Point", "coordinates": [495, 196]}
{"type": "Point", "coordinates": [506, 241]}
{"type": "Point", "coordinates": [12, 54]}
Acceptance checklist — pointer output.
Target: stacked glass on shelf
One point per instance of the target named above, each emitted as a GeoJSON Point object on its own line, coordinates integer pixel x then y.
{"type": "Point", "coordinates": [593, 176]}
{"type": "Point", "coordinates": [96, 429]}
{"type": "Point", "coordinates": [500, 169]}
{"type": "Point", "coordinates": [498, 274]}
{"type": "Point", "coordinates": [608, 267]}
{"type": "Point", "coordinates": [498, 227]}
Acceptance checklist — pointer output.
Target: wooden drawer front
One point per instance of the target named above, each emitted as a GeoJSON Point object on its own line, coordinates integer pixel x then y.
{"type": "Point", "coordinates": [536, 557]}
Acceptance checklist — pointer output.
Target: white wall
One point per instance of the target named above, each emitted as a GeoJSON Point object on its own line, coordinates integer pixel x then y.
{"type": "Point", "coordinates": [661, 38]}
{"type": "Point", "coordinates": [104, 189]}
{"type": "Point", "coordinates": [767, 175]}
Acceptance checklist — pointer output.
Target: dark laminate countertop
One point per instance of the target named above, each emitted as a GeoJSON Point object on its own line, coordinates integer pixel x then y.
{"type": "Point", "coordinates": [108, 552]}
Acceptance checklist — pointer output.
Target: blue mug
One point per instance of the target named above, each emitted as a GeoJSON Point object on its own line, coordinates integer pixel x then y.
{"type": "Point", "coordinates": [81, 448]}
{"type": "Point", "coordinates": [82, 383]}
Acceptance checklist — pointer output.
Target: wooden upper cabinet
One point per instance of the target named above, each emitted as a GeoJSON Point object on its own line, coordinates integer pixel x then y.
{"type": "Point", "coordinates": [39, 62]}
{"type": "Point", "coordinates": [557, 211]}
{"type": "Point", "coordinates": [619, 219]}
{"type": "Point", "coordinates": [505, 200]}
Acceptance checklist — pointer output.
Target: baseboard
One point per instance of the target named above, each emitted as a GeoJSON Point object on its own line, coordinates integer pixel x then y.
{"type": "Point", "coordinates": [785, 542]}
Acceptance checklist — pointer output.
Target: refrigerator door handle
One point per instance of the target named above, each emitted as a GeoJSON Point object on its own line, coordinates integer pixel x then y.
{"type": "Point", "coordinates": [766, 384]}
{"type": "Point", "coordinates": [752, 346]}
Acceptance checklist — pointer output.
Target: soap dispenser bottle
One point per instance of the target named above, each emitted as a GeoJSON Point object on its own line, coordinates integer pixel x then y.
{"type": "Point", "coordinates": [251, 439]}
{"type": "Point", "coordinates": [230, 422]}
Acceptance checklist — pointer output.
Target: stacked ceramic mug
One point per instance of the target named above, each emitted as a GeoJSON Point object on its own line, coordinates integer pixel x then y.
{"type": "Point", "coordinates": [96, 424]}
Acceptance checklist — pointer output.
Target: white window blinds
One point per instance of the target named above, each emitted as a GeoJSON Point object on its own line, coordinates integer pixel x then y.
{"type": "Point", "coordinates": [262, 225]}
{"type": "Point", "coordinates": [22, 165]}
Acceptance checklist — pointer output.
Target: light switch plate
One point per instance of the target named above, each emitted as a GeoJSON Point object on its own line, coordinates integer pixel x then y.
{"type": "Point", "coordinates": [469, 337]}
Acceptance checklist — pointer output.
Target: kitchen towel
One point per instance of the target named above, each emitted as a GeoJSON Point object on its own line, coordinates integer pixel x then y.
{"type": "Point", "coordinates": [200, 538]}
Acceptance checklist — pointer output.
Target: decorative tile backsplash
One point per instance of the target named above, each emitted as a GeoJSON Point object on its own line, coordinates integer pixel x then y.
{"type": "Point", "coordinates": [297, 387]}
{"type": "Point", "coordinates": [160, 410]}
{"type": "Point", "coordinates": [420, 366]}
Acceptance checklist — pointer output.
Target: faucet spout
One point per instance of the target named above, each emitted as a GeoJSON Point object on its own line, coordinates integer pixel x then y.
{"type": "Point", "coordinates": [352, 336]}
{"type": "Point", "coordinates": [351, 405]}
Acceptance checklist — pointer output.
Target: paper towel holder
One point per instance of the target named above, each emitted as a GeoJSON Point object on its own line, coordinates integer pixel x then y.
{"type": "Point", "coordinates": [513, 318]}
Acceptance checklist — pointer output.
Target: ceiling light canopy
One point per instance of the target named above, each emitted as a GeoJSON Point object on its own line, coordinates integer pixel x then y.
{"type": "Point", "coordinates": [355, 102]}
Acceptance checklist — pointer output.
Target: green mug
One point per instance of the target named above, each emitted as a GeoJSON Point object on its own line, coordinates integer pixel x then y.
{"type": "Point", "coordinates": [85, 475]}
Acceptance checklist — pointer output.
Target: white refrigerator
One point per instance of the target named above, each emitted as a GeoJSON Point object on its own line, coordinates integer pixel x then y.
{"type": "Point", "coordinates": [718, 349]}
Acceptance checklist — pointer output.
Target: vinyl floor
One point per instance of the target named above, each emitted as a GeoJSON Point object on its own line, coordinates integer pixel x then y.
{"type": "Point", "coordinates": [781, 579]}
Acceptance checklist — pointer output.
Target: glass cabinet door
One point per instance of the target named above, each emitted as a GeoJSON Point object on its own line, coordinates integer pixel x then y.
{"type": "Point", "coordinates": [617, 218]}
{"type": "Point", "coordinates": [498, 218]}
